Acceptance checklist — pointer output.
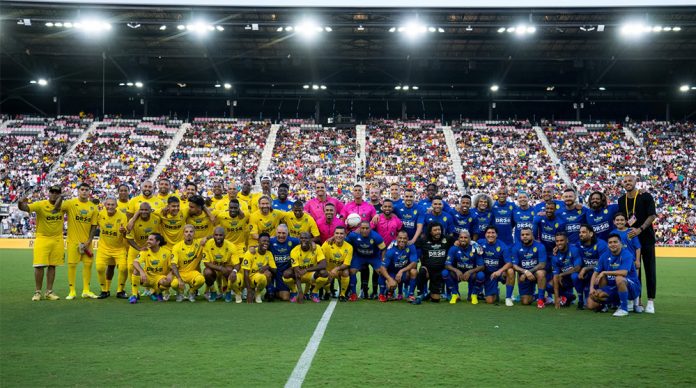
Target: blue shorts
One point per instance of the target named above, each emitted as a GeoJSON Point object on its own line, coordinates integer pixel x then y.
{"type": "Point", "coordinates": [358, 262]}
{"type": "Point", "coordinates": [526, 287]}
{"type": "Point", "coordinates": [632, 287]}
{"type": "Point", "coordinates": [566, 287]}
{"type": "Point", "coordinates": [277, 282]}
{"type": "Point", "coordinates": [490, 286]}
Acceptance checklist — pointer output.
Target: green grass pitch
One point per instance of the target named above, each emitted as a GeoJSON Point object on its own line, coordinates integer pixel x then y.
{"type": "Point", "coordinates": [111, 343]}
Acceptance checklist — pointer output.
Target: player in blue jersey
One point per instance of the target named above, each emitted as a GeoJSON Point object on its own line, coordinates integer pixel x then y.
{"type": "Point", "coordinates": [464, 264]}
{"type": "Point", "coordinates": [615, 279]}
{"type": "Point", "coordinates": [408, 212]}
{"type": "Point", "coordinates": [483, 217]}
{"type": "Point", "coordinates": [630, 244]}
{"type": "Point", "coordinates": [573, 215]}
{"type": "Point", "coordinates": [282, 202]}
{"type": "Point", "coordinates": [427, 203]}
{"type": "Point", "coordinates": [438, 215]}
{"type": "Point", "coordinates": [280, 246]}
{"type": "Point", "coordinates": [400, 262]}
{"type": "Point", "coordinates": [395, 195]}
{"type": "Point", "coordinates": [548, 193]}
{"type": "Point", "coordinates": [529, 261]}
{"type": "Point", "coordinates": [523, 216]}
{"type": "Point", "coordinates": [600, 215]}
{"type": "Point", "coordinates": [498, 267]}
{"type": "Point", "coordinates": [502, 216]}
{"type": "Point", "coordinates": [546, 225]}
{"type": "Point", "coordinates": [566, 262]}
{"type": "Point", "coordinates": [591, 249]}
{"type": "Point", "coordinates": [368, 247]}
{"type": "Point", "coordinates": [463, 218]}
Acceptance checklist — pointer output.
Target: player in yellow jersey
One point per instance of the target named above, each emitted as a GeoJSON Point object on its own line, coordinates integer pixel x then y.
{"type": "Point", "coordinates": [298, 221]}
{"type": "Point", "coordinates": [164, 190]}
{"type": "Point", "coordinates": [123, 199]}
{"type": "Point", "coordinates": [220, 262]}
{"type": "Point", "coordinates": [308, 267]}
{"type": "Point", "coordinates": [244, 198]}
{"type": "Point", "coordinates": [265, 190]}
{"type": "Point", "coordinates": [186, 265]}
{"type": "Point", "coordinates": [236, 227]}
{"type": "Point", "coordinates": [140, 227]}
{"type": "Point", "coordinates": [113, 248]}
{"type": "Point", "coordinates": [265, 220]}
{"type": "Point", "coordinates": [190, 189]}
{"type": "Point", "coordinates": [152, 269]}
{"type": "Point", "coordinates": [48, 245]}
{"type": "Point", "coordinates": [224, 203]}
{"type": "Point", "coordinates": [217, 194]}
{"type": "Point", "coordinates": [172, 219]}
{"type": "Point", "coordinates": [339, 255]}
{"type": "Point", "coordinates": [200, 216]}
{"type": "Point", "coordinates": [82, 226]}
{"type": "Point", "coordinates": [146, 195]}
{"type": "Point", "coordinates": [258, 268]}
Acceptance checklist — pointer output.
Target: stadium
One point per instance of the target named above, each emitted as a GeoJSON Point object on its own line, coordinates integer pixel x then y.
{"type": "Point", "coordinates": [356, 193]}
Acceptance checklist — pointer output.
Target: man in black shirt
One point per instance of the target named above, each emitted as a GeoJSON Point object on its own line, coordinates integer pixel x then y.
{"type": "Point", "coordinates": [640, 210]}
{"type": "Point", "coordinates": [433, 246]}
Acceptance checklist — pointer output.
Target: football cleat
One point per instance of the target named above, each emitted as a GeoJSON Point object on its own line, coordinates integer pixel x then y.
{"type": "Point", "coordinates": [315, 298]}
{"type": "Point", "coordinates": [160, 298]}
{"type": "Point", "coordinates": [213, 296]}
{"type": "Point", "coordinates": [258, 298]}
{"type": "Point", "coordinates": [121, 295]}
{"type": "Point", "coordinates": [581, 306]}
{"type": "Point", "coordinates": [620, 313]}
{"type": "Point", "coordinates": [133, 299]}
{"type": "Point", "coordinates": [474, 299]}
{"type": "Point", "coordinates": [103, 295]}
{"type": "Point", "coordinates": [411, 298]}
{"type": "Point", "coordinates": [508, 302]}
{"type": "Point", "coordinates": [228, 297]}
{"type": "Point", "coordinates": [89, 295]}
{"type": "Point", "coordinates": [153, 297]}
{"type": "Point", "coordinates": [638, 309]}
{"type": "Point", "coordinates": [540, 304]}
{"type": "Point", "coordinates": [400, 297]}
{"type": "Point", "coordinates": [373, 296]}
{"type": "Point", "coordinates": [650, 308]}
{"type": "Point", "coordinates": [342, 298]}
{"type": "Point", "coordinates": [353, 297]}
{"type": "Point", "coordinates": [36, 297]}
{"type": "Point", "coordinates": [293, 299]}
{"type": "Point", "coordinates": [454, 298]}
{"type": "Point", "coordinates": [165, 296]}
{"type": "Point", "coordinates": [382, 298]}
{"type": "Point", "coordinates": [326, 296]}
{"type": "Point", "coordinates": [192, 297]}
{"type": "Point", "coordinates": [71, 296]}
{"type": "Point", "coordinates": [179, 297]}
{"type": "Point", "coordinates": [49, 295]}
{"type": "Point", "coordinates": [564, 301]}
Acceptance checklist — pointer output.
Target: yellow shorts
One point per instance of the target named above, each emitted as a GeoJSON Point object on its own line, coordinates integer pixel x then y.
{"type": "Point", "coordinates": [154, 279]}
{"type": "Point", "coordinates": [107, 257]}
{"type": "Point", "coordinates": [48, 251]}
{"type": "Point", "coordinates": [257, 278]}
{"type": "Point", "coordinates": [189, 276]}
{"type": "Point", "coordinates": [238, 252]}
{"type": "Point", "coordinates": [74, 255]}
{"type": "Point", "coordinates": [132, 254]}
{"type": "Point", "coordinates": [308, 278]}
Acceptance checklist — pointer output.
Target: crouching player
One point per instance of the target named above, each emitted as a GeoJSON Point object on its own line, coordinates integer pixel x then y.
{"type": "Point", "coordinates": [186, 265]}
{"type": "Point", "coordinates": [220, 262]}
{"type": "Point", "coordinates": [339, 255]}
{"type": "Point", "coordinates": [615, 279]}
{"type": "Point", "coordinates": [308, 267]}
{"type": "Point", "coordinates": [398, 268]}
{"type": "Point", "coordinates": [498, 267]}
{"type": "Point", "coordinates": [591, 249]}
{"type": "Point", "coordinates": [464, 264]}
{"type": "Point", "coordinates": [566, 264]}
{"type": "Point", "coordinates": [151, 268]}
{"type": "Point", "coordinates": [280, 246]}
{"type": "Point", "coordinates": [259, 268]}
{"type": "Point", "coordinates": [529, 261]}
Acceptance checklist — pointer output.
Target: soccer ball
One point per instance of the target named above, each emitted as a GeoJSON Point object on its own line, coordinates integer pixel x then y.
{"type": "Point", "coordinates": [353, 220]}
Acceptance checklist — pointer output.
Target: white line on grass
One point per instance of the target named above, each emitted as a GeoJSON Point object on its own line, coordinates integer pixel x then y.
{"type": "Point", "coordinates": [298, 374]}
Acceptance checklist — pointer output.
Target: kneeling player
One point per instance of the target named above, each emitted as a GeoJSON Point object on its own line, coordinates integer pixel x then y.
{"type": "Point", "coordinates": [400, 262]}
{"type": "Point", "coordinates": [219, 262]}
{"type": "Point", "coordinates": [529, 260]}
{"type": "Point", "coordinates": [258, 269]}
{"type": "Point", "coordinates": [614, 279]}
{"type": "Point", "coordinates": [308, 267]}
{"type": "Point", "coordinates": [186, 265]}
{"type": "Point", "coordinates": [464, 264]}
{"type": "Point", "coordinates": [566, 263]}
{"type": "Point", "coordinates": [339, 255]}
{"type": "Point", "coordinates": [498, 267]}
{"type": "Point", "coordinates": [591, 249]}
{"type": "Point", "coordinates": [151, 268]}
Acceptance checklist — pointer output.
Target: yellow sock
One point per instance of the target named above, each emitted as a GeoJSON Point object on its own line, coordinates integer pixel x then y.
{"type": "Point", "coordinates": [122, 277]}
{"type": "Point", "coordinates": [135, 282]}
{"type": "Point", "coordinates": [319, 284]}
{"type": "Point", "coordinates": [86, 275]}
{"type": "Point", "coordinates": [101, 275]}
{"type": "Point", "coordinates": [291, 284]}
{"type": "Point", "coordinates": [72, 274]}
{"type": "Point", "coordinates": [198, 282]}
{"type": "Point", "coordinates": [108, 285]}
{"type": "Point", "coordinates": [345, 282]}
{"type": "Point", "coordinates": [261, 282]}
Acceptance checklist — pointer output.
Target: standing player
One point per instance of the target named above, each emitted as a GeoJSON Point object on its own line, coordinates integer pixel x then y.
{"type": "Point", "coordinates": [264, 220]}
{"type": "Point", "coordinates": [395, 195]}
{"type": "Point", "coordinates": [224, 203]}
{"type": "Point", "coordinates": [523, 216]}
{"type": "Point", "coordinates": [591, 249]}
{"type": "Point", "coordinates": [433, 247]}
{"type": "Point", "coordinates": [245, 200]}
{"type": "Point", "coordinates": [339, 255]}
{"type": "Point", "coordinates": [186, 259]}
{"type": "Point", "coordinates": [437, 214]}
{"type": "Point", "coordinates": [465, 264]}
{"type": "Point", "coordinates": [315, 206]}
{"type": "Point", "coordinates": [400, 262]}
{"type": "Point", "coordinates": [408, 212]}
{"type": "Point", "coordinates": [113, 248]}
{"type": "Point", "coordinates": [463, 218]}
{"type": "Point", "coordinates": [573, 215]}
{"type": "Point", "coordinates": [498, 267]}
{"type": "Point", "coordinates": [82, 226]}
{"type": "Point", "coordinates": [164, 187]}
{"type": "Point", "coordinates": [298, 221]}
{"type": "Point", "coordinates": [566, 262]}
{"type": "Point", "coordinates": [48, 245]}
{"type": "Point", "coordinates": [259, 267]}
{"type": "Point", "coordinates": [265, 191]}
{"type": "Point", "coordinates": [173, 219]}
{"type": "Point", "coordinates": [546, 225]}
{"type": "Point", "coordinates": [220, 263]}
{"type": "Point", "coordinates": [502, 216]}
{"type": "Point", "coordinates": [308, 267]}
{"type": "Point", "coordinates": [236, 227]}
{"type": "Point", "coordinates": [123, 199]}
{"type": "Point", "coordinates": [368, 247]}
{"type": "Point", "coordinates": [200, 216]}
{"type": "Point", "coordinates": [190, 189]}
{"type": "Point", "coordinates": [483, 217]}
{"type": "Point", "coordinates": [529, 261]}
{"type": "Point", "coordinates": [548, 193]}
{"type": "Point", "coordinates": [146, 195]}
{"type": "Point", "coordinates": [280, 246]}
{"type": "Point", "coordinates": [386, 225]}
{"type": "Point", "coordinates": [151, 268]}
{"type": "Point", "coordinates": [282, 203]}
{"type": "Point", "coordinates": [375, 198]}
{"type": "Point", "coordinates": [140, 227]}
{"type": "Point", "coordinates": [217, 194]}
{"type": "Point", "coordinates": [600, 215]}
{"type": "Point", "coordinates": [328, 224]}
{"type": "Point", "coordinates": [366, 211]}
{"type": "Point", "coordinates": [427, 203]}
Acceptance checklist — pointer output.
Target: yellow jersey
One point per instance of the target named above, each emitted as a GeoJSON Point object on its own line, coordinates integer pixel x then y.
{"type": "Point", "coordinates": [237, 228]}
{"type": "Point", "coordinates": [305, 259]}
{"type": "Point", "coordinates": [142, 229]}
{"type": "Point", "coordinates": [122, 207]}
{"type": "Point", "coordinates": [336, 256]}
{"type": "Point", "coordinates": [110, 237]}
{"type": "Point", "coordinates": [254, 200]}
{"type": "Point", "coordinates": [49, 219]}
{"type": "Point", "coordinates": [223, 204]}
{"type": "Point", "coordinates": [253, 262]}
{"type": "Point", "coordinates": [154, 201]}
{"type": "Point", "coordinates": [220, 255]}
{"type": "Point", "coordinates": [260, 223]}
{"type": "Point", "coordinates": [244, 202]}
{"type": "Point", "coordinates": [155, 263]}
{"type": "Point", "coordinates": [164, 198]}
{"type": "Point", "coordinates": [81, 217]}
{"type": "Point", "coordinates": [201, 223]}
{"type": "Point", "coordinates": [214, 201]}
{"type": "Point", "coordinates": [303, 224]}
{"type": "Point", "coordinates": [187, 257]}
{"type": "Point", "coordinates": [172, 226]}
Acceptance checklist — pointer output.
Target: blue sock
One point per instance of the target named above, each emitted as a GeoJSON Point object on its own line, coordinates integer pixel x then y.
{"type": "Point", "coordinates": [401, 288]}
{"type": "Point", "coordinates": [623, 297]}
{"type": "Point", "coordinates": [540, 294]}
{"type": "Point", "coordinates": [411, 287]}
{"type": "Point", "coordinates": [508, 291]}
{"type": "Point", "coordinates": [382, 285]}
{"type": "Point", "coordinates": [353, 282]}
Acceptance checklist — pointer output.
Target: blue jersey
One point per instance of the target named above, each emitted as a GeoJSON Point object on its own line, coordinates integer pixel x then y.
{"type": "Point", "coordinates": [502, 220]}
{"type": "Point", "coordinates": [546, 230]}
{"type": "Point", "coordinates": [495, 255]}
{"type": "Point", "coordinates": [482, 220]}
{"type": "Point", "coordinates": [444, 219]}
{"type": "Point", "coordinates": [409, 217]}
{"type": "Point", "coordinates": [629, 244]}
{"type": "Point", "coordinates": [285, 206]}
{"type": "Point", "coordinates": [602, 220]}
{"type": "Point", "coordinates": [564, 261]}
{"type": "Point", "coordinates": [522, 218]}
{"type": "Point", "coordinates": [463, 222]}
{"type": "Point", "coordinates": [396, 259]}
{"type": "Point", "coordinates": [573, 219]}
{"type": "Point", "coordinates": [399, 202]}
{"type": "Point", "coordinates": [540, 208]}
{"type": "Point", "coordinates": [281, 251]}
{"type": "Point", "coordinates": [426, 204]}
{"type": "Point", "coordinates": [528, 256]}
{"type": "Point", "coordinates": [591, 253]}
{"type": "Point", "coordinates": [621, 262]}
{"type": "Point", "coordinates": [465, 258]}
{"type": "Point", "coordinates": [366, 247]}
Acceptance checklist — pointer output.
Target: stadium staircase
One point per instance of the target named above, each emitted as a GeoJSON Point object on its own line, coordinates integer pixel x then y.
{"type": "Point", "coordinates": [631, 135]}
{"type": "Point", "coordinates": [454, 157]}
{"type": "Point", "coordinates": [164, 161]}
{"type": "Point", "coordinates": [266, 155]}
{"type": "Point", "coordinates": [71, 149]}
{"type": "Point", "coordinates": [554, 157]}
{"type": "Point", "coordinates": [360, 158]}
{"type": "Point", "coordinates": [6, 123]}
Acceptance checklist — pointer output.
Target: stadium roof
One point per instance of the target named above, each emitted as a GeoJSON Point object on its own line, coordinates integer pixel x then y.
{"type": "Point", "coordinates": [567, 59]}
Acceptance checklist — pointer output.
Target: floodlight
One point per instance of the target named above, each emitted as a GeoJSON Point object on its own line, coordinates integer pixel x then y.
{"type": "Point", "coordinates": [415, 87]}
{"type": "Point", "coordinates": [220, 28]}
{"type": "Point", "coordinates": [602, 88]}
{"type": "Point", "coordinates": [59, 24]}
{"type": "Point", "coordinates": [121, 84]}
{"type": "Point", "coordinates": [129, 83]}
{"type": "Point", "coordinates": [494, 88]}
{"type": "Point", "coordinates": [677, 29]}
{"type": "Point", "coordinates": [32, 81]}
{"type": "Point", "coordinates": [405, 87]}
{"type": "Point", "coordinates": [181, 27]}
{"type": "Point", "coordinates": [683, 88]}
{"type": "Point", "coordinates": [49, 24]}
{"type": "Point", "coordinates": [397, 87]}
{"type": "Point", "coordinates": [501, 30]}
{"type": "Point", "coordinates": [305, 86]}
{"type": "Point", "coordinates": [138, 84]}
{"type": "Point", "coordinates": [42, 82]}
{"type": "Point", "coordinates": [227, 85]}
{"type": "Point", "coordinates": [68, 25]}
{"type": "Point", "coordinates": [315, 87]}
{"type": "Point", "coordinates": [322, 87]}
{"type": "Point", "coordinates": [328, 29]}
{"type": "Point", "coordinates": [163, 27]}
{"type": "Point", "coordinates": [392, 29]}
{"type": "Point", "coordinates": [218, 85]}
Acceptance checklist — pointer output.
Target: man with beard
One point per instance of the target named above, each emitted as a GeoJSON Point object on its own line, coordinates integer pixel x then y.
{"type": "Point", "coordinates": [265, 190]}
{"type": "Point", "coordinates": [591, 249]}
{"type": "Point", "coordinates": [298, 221]}
{"type": "Point", "coordinates": [200, 216]}
{"type": "Point", "coordinates": [523, 216]}
{"type": "Point", "coordinates": [368, 247]}
{"type": "Point", "coordinates": [220, 263]}
{"type": "Point", "coordinates": [464, 264]}
{"type": "Point", "coordinates": [498, 267]}
{"type": "Point", "coordinates": [173, 220]}
{"type": "Point", "coordinates": [548, 193]}
{"type": "Point", "coordinates": [566, 262]}
{"type": "Point", "coordinates": [163, 189]}
{"type": "Point", "coordinates": [600, 215]}
{"type": "Point", "coordinates": [573, 215]}
{"type": "Point", "coordinates": [328, 224]}
{"type": "Point", "coordinates": [264, 220]}
{"type": "Point", "coordinates": [145, 196]}
{"type": "Point", "coordinates": [223, 204]}
{"type": "Point", "coordinates": [463, 219]}
{"type": "Point", "coordinates": [315, 206]}
{"type": "Point", "coordinates": [529, 261]}
{"type": "Point", "coordinates": [140, 227]}
{"type": "Point", "coordinates": [282, 203]}
{"type": "Point", "coordinates": [245, 200]}
{"type": "Point", "coordinates": [375, 199]}
{"type": "Point", "coordinates": [400, 262]}
{"type": "Point", "coordinates": [502, 216]}
{"type": "Point", "coordinates": [386, 224]}
{"type": "Point", "coordinates": [408, 212]}
{"type": "Point", "coordinates": [280, 246]}
{"type": "Point", "coordinates": [236, 227]}
{"type": "Point", "coordinates": [483, 217]}
{"type": "Point", "coordinates": [190, 189]}
{"type": "Point", "coordinates": [364, 209]}
{"type": "Point", "coordinates": [433, 246]}
{"type": "Point", "coordinates": [437, 214]}
{"type": "Point", "coordinates": [431, 192]}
